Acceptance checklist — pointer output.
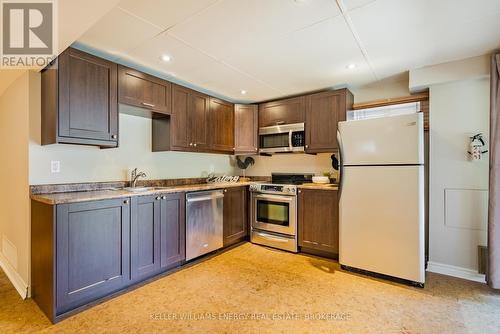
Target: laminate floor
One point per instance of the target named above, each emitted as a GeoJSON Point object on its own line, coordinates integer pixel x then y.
{"type": "Point", "coordinates": [253, 289]}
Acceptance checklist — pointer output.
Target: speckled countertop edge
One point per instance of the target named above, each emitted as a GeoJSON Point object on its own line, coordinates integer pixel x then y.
{"type": "Point", "coordinates": [319, 186]}
{"type": "Point", "coordinates": [86, 196]}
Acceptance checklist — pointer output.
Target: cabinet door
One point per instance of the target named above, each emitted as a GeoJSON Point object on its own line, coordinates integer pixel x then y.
{"type": "Point", "coordinates": [198, 111]}
{"type": "Point", "coordinates": [141, 90]}
{"type": "Point", "coordinates": [179, 128]}
{"type": "Point", "coordinates": [235, 215]}
{"type": "Point", "coordinates": [221, 124]}
{"type": "Point", "coordinates": [318, 221]}
{"type": "Point", "coordinates": [92, 251]}
{"type": "Point", "coordinates": [173, 230]}
{"type": "Point", "coordinates": [88, 105]}
{"type": "Point", "coordinates": [324, 111]}
{"type": "Point", "coordinates": [246, 129]}
{"type": "Point", "coordinates": [145, 236]}
{"type": "Point", "coordinates": [287, 111]}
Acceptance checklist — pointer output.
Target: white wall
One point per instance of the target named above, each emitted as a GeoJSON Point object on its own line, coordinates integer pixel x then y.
{"type": "Point", "coordinates": [14, 195]}
{"type": "Point", "coordinates": [91, 164]}
{"type": "Point", "coordinates": [458, 187]}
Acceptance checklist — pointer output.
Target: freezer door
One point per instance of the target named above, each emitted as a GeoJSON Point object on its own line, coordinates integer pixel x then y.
{"type": "Point", "coordinates": [383, 141]}
{"type": "Point", "coordinates": [382, 220]}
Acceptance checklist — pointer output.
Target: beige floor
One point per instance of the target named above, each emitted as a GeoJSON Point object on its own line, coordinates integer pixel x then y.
{"type": "Point", "coordinates": [254, 284]}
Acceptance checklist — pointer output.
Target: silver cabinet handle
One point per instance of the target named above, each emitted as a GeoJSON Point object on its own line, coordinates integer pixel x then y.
{"type": "Point", "coordinates": [190, 144]}
{"type": "Point", "coordinates": [280, 122]}
{"type": "Point", "coordinates": [126, 201]}
{"type": "Point", "coordinates": [114, 136]}
{"type": "Point", "coordinates": [194, 144]}
{"type": "Point", "coordinates": [299, 191]}
{"type": "Point", "coordinates": [225, 190]}
{"type": "Point", "coordinates": [158, 198]}
{"type": "Point", "coordinates": [307, 146]}
{"type": "Point", "coordinates": [148, 105]}
{"type": "Point", "coordinates": [164, 197]}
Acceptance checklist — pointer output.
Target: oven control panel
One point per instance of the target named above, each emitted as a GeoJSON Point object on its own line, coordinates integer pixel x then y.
{"type": "Point", "coordinates": [274, 189]}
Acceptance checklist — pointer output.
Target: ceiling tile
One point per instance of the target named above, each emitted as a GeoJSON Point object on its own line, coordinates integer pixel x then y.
{"type": "Point", "coordinates": [183, 58]}
{"type": "Point", "coordinates": [165, 13]}
{"type": "Point", "coordinates": [353, 4]}
{"type": "Point", "coordinates": [231, 24]}
{"type": "Point", "coordinates": [118, 32]}
{"type": "Point", "coordinates": [409, 34]}
{"type": "Point", "coordinates": [307, 59]}
{"type": "Point", "coordinates": [229, 82]}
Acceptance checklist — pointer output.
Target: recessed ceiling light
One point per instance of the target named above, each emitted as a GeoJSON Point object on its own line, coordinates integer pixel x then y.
{"type": "Point", "coordinates": [243, 92]}
{"type": "Point", "coordinates": [351, 66]}
{"type": "Point", "coordinates": [166, 58]}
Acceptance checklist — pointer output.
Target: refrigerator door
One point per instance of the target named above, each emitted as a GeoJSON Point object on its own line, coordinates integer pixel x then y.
{"type": "Point", "coordinates": [395, 140]}
{"type": "Point", "coordinates": [382, 220]}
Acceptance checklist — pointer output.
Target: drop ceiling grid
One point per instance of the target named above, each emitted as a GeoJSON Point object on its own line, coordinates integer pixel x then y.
{"type": "Point", "coordinates": [291, 47]}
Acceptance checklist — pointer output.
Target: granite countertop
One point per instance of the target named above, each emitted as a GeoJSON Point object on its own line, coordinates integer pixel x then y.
{"type": "Point", "coordinates": [84, 196]}
{"type": "Point", "coordinates": [319, 186]}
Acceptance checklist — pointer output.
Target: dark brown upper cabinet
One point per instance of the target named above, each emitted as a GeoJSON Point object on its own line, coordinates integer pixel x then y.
{"type": "Point", "coordinates": [246, 125]}
{"type": "Point", "coordinates": [198, 119]}
{"type": "Point", "coordinates": [323, 112]}
{"type": "Point", "coordinates": [79, 101]}
{"type": "Point", "coordinates": [145, 91]}
{"type": "Point", "coordinates": [221, 124]}
{"type": "Point", "coordinates": [179, 129]}
{"type": "Point", "coordinates": [318, 220]}
{"type": "Point", "coordinates": [286, 111]}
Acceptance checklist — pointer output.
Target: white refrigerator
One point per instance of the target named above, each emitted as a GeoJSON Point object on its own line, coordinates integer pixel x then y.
{"type": "Point", "coordinates": [382, 196]}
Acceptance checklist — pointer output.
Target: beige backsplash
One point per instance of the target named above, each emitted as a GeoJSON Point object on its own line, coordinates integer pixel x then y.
{"type": "Point", "coordinates": [291, 163]}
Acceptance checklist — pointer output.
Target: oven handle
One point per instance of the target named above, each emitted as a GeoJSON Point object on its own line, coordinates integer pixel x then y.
{"type": "Point", "coordinates": [275, 197]}
{"type": "Point", "coordinates": [268, 236]}
{"type": "Point", "coordinates": [290, 144]}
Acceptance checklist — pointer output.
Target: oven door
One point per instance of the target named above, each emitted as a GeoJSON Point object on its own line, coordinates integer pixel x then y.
{"type": "Point", "coordinates": [274, 213]}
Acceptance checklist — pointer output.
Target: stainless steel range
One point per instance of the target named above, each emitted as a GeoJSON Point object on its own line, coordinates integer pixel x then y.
{"type": "Point", "coordinates": [274, 211]}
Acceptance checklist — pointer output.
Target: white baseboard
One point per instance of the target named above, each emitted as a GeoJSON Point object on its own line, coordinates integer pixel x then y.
{"type": "Point", "coordinates": [15, 279]}
{"type": "Point", "coordinates": [447, 269]}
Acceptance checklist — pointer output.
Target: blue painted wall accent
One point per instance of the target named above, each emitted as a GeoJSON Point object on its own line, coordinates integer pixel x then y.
{"type": "Point", "coordinates": [161, 75]}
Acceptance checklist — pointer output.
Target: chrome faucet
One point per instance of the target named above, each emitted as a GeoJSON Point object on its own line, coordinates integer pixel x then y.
{"type": "Point", "coordinates": [135, 176]}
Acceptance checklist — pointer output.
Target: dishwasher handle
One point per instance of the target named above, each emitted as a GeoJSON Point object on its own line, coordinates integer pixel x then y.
{"type": "Point", "coordinates": [204, 198]}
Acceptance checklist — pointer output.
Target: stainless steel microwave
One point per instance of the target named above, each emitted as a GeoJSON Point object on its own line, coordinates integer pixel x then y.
{"type": "Point", "coordinates": [282, 138]}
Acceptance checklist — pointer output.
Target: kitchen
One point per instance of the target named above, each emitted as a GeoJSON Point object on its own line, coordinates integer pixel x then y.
{"type": "Point", "coordinates": [153, 161]}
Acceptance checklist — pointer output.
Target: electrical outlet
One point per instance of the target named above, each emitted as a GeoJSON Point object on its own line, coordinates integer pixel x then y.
{"type": "Point", "coordinates": [55, 166]}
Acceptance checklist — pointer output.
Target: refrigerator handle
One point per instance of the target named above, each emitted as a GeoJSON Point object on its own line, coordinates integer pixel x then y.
{"type": "Point", "coordinates": [341, 162]}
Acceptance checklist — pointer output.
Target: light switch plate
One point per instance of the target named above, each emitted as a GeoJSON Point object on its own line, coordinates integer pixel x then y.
{"type": "Point", "coordinates": [55, 166]}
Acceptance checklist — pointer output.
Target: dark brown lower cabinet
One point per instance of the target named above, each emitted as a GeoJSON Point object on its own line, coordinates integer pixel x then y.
{"type": "Point", "coordinates": [235, 215]}
{"type": "Point", "coordinates": [172, 230]}
{"type": "Point", "coordinates": [92, 251]}
{"type": "Point", "coordinates": [318, 221]}
{"type": "Point", "coordinates": [145, 236]}
{"type": "Point", "coordinates": [81, 252]}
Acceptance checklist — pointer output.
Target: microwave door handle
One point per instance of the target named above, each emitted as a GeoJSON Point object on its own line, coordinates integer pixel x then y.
{"type": "Point", "coordinates": [290, 144]}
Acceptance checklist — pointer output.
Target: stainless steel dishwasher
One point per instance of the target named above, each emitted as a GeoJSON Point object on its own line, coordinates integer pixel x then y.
{"type": "Point", "coordinates": [203, 222]}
